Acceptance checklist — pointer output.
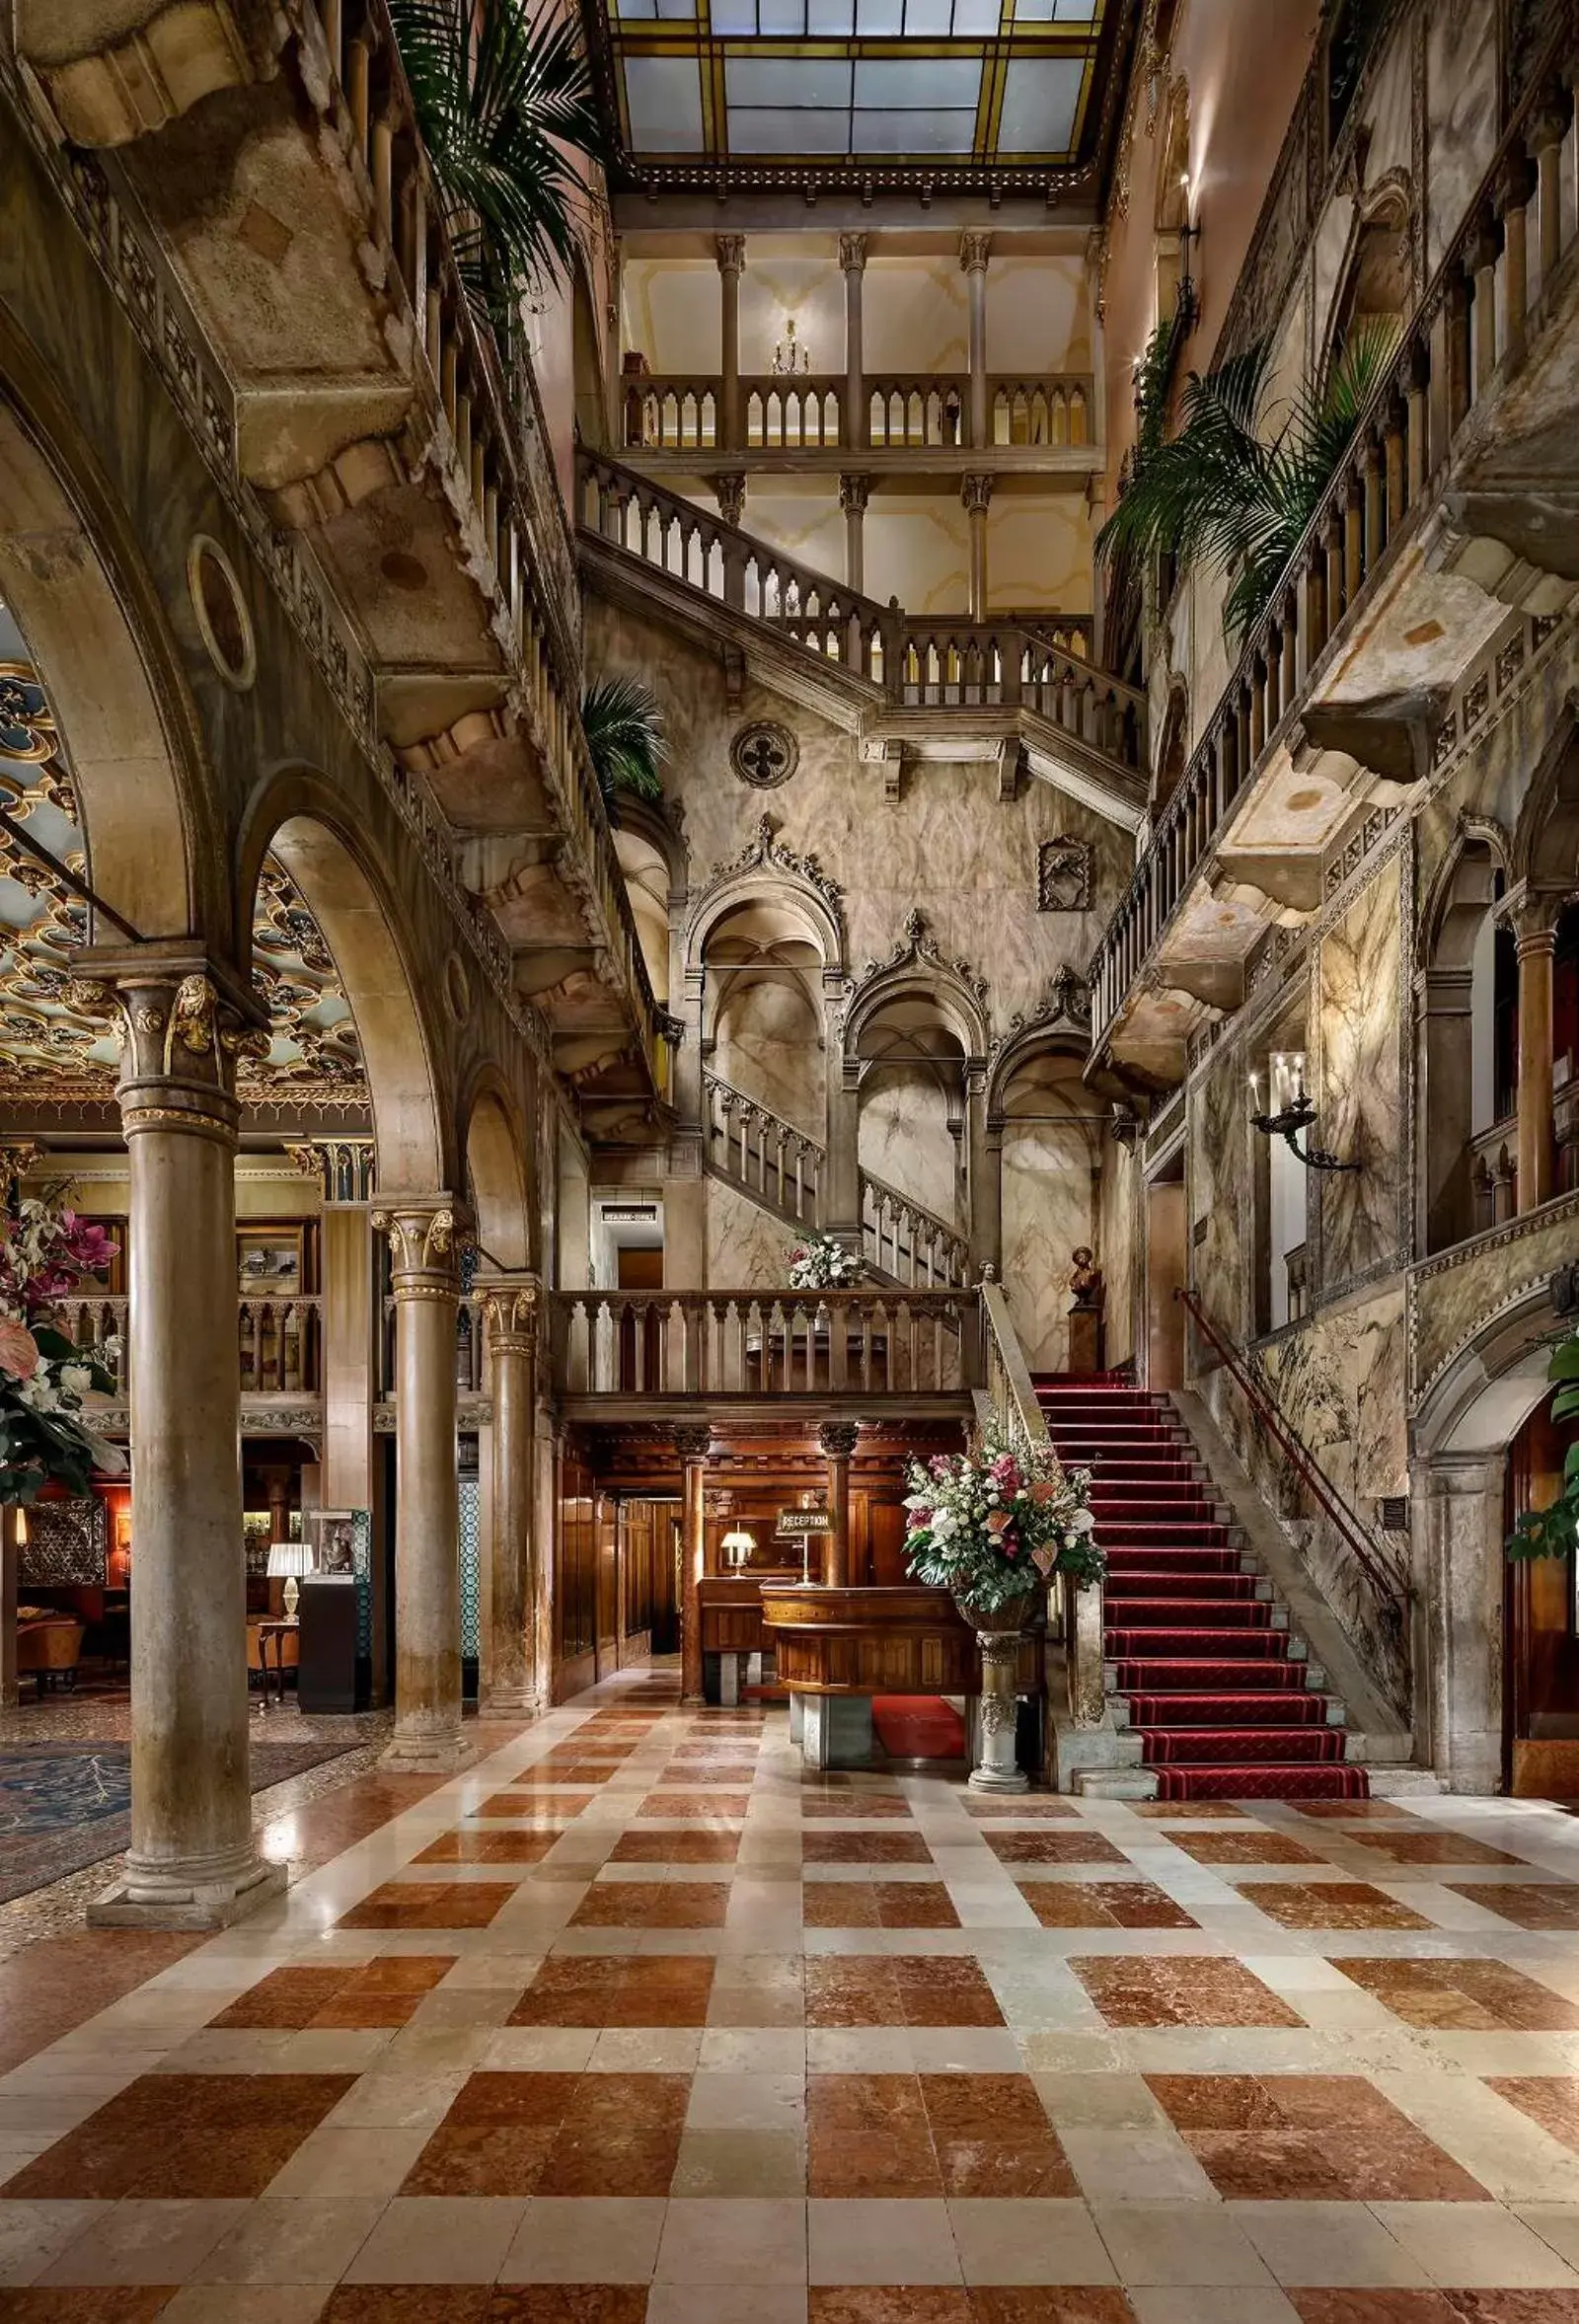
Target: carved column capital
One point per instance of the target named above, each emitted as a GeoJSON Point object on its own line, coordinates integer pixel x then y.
{"type": "Point", "coordinates": [182, 1021]}
{"type": "Point", "coordinates": [852, 254]}
{"type": "Point", "coordinates": [731, 493]}
{"type": "Point", "coordinates": [976, 494]}
{"type": "Point", "coordinates": [974, 251]}
{"type": "Point", "coordinates": [510, 1310]}
{"type": "Point", "coordinates": [839, 1437]}
{"type": "Point", "coordinates": [730, 249]}
{"type": "Point", "coordinates": [853, 493]}
{"type": "Point", "coordinates": [694, 1443]}
{"type": "Point", "coordinates": [421, 1243]}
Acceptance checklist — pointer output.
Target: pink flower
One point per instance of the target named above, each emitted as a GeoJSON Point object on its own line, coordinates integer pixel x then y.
{"type": "Point", "coordinates": [18, 1350]}
{"type": "Point", "coordinates": [89, 1246]}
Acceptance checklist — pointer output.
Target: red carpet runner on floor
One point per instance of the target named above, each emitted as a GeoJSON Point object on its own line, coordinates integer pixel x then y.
{"type": "Point", "coordinates": [918, 1727]}
{"type": "Point", "coordinates": [1222, 1710]}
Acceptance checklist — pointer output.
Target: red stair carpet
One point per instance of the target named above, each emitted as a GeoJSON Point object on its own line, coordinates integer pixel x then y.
{"type": "Point", "coordinates": [1222, 1709]}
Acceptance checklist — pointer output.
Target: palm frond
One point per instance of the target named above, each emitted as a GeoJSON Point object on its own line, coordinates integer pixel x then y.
{"type": "Point", "coordinates": [1235, 492]}
{"type": "Point", "coordinates": [499, 95]}
{"type": "Point", "coordinates": [624, 728]}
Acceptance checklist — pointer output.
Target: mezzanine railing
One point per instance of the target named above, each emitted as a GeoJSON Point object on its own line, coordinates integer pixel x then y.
{"type": "Point", "coordinates": [808, 413]}
{"type": "Point", "coordinates": [763, 1343]}
{"type": "Point", "coordinates": [278, 1341]}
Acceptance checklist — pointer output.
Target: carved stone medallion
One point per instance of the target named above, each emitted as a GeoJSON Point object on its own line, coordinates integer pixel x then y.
{"type": "Point", "coordinates": [763, 755]}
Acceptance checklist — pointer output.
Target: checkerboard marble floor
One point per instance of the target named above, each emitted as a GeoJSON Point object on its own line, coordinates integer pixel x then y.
{"type": "Point", "coordinates": [637, 2023]}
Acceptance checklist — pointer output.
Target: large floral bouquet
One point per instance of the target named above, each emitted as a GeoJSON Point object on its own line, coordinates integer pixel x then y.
{"type": "Point", "coordinates": [44, 1380]}
{"type": "Point", "coordinates": [822, 1263]}
{"type": "Point", "coordinates": [993, 1524]}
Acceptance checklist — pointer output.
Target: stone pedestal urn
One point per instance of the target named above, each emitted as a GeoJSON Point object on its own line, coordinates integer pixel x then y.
{"type": "Point", "coordinates": [998, 1637]}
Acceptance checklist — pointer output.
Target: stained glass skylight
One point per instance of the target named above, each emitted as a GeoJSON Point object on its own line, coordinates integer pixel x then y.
{"type": "Point", "coordinates": [763, 85]}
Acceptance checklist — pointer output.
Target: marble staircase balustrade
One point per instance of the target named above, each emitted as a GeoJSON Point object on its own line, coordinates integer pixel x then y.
{"type": "Point", "coordinates": [781, 1167]}
{"type": "Point", "coordinates": [1313, 718]}
{"type": "Point", "coordinates": [807, 411]}
{"type": "Point", "coordinates": [878, 658]}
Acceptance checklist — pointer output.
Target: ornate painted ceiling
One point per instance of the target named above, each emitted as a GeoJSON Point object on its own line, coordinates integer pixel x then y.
{"type": "Point", "coordinates": [1016, 96]}
{"type": "Point", "coordinates": [50, 1053]}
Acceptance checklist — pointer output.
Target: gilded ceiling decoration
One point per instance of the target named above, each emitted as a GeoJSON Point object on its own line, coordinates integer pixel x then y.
{"type": "Point", "coordinates": [48, 1049]}
{"type": "Point", "coordinates": [1017, 96]}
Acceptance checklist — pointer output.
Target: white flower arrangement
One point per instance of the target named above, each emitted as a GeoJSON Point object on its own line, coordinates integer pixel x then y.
{"type": "Point", "coordinates": [822, 1263]}
{"type": "Point", "coordinates": [994, 1525]}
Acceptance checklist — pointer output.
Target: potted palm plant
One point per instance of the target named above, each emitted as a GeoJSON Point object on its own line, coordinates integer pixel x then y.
{"type": "Point", "coordinates": [623, 730]}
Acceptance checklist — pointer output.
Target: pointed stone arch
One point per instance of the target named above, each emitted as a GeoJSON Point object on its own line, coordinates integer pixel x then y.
{"type": "Point", "coordinates": [917, 969]}
{"type": "Point", "coordinates": [766, 871]}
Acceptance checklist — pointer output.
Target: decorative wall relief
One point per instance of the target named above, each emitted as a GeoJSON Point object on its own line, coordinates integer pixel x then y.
{"type": "Point", "coordinates": [67, 1545]}
{"type": "Point", "coordinates": [1064, 874]}
{"type": "Point", "coordinates": [764, 754]}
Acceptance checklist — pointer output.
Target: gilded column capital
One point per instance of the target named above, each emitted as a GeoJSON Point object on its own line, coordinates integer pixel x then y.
{"type": "Point", "coordinates": [422, 1244]}
{"type": "Point", "coordinates": [730, 251]}
{"type": "Point", "coordinates": [974, 251]}
{"type": "Point", "coordinates": [694, 1444]}
{"type": "Point", "coordinates": [511, 1306]}
{"type": "Point", "coordinates": [182, 1021]}
{"type": "Point", "coordinates": [852, 254]}
{"type": "Point", "coordinates": [839, 1437]}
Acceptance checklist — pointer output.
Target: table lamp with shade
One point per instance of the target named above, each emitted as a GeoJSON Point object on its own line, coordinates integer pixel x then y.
{"type": "Point", "coordinates": [287, 1561]}
{"type": "Point", "coordinates": [737, 1546]}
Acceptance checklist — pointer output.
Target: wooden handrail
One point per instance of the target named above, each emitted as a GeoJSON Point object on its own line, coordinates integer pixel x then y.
{"type": "Point", "coordinates": [1392, 1588]}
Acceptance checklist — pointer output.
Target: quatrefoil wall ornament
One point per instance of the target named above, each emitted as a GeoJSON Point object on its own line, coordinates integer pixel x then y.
{"type": "Point", "coordinates": [763, 755]}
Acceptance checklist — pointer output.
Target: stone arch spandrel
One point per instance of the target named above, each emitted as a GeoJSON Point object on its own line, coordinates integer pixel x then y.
{"type": "Point", "coordinates": [94, 627]}
{"type": "Point", "coordinates": [297, 820]}
{"type": "Point", "coordinates": [499, 1171]}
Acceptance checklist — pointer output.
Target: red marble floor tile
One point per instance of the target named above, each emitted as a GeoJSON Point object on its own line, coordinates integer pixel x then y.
{"type": "Point", "coordinates": [1259, 1846]}
{"type": "Point", "coordinates": [1050, 2303]}
{"type": "Point", "coordinates": [1375, 2307]}
{"type": "Point", "coordinates": [868, 2303]}
{"type": "Point", "coordinates": [207, 2135]}
{"type": "Point", "coordinates": [996, 2303]}
{"type": "Point", "coordinates": [1551, 2100]}
{"type": "Point", "coordinates": [1185, 1811]}
{"type": "Point", "coordinates": [1432, 1848]}
{"type": "Point", "coordinates": [382, 1993]}
{"type": "Point", "coordinates": [1130, 1990]}
{"type": "Point", "coordinates": [1085, 1846]}
{"type": "Point", "coordinates": [653, 1904]}
{"type": "Point", "coordinates": [877, 1904]}
{"type": "Point", "coordinates": [1330, 1904]}
{"type": "Point", "coordinates": [694, 1806]}
{"type": "Point", "coordinates": [992, 2138]}
{"type": "Point", "coordinates": [580, 1771]}
{"type": "Point", "coordinates": [1355, 1811]}
{"type": "Point", "coordinates": [556, 2135]}
{"type": "Point", "coordinates": [865, 1848]}
{"type": "Point", "coordinates": [50, 1989]}
{"type": "Point", "coordinates": [1545, 1904]}
{"type": "Point", "coordinates": [1103, 1903]}
{"type": "Point", "coordinates": [323, 1829]}
{"type": "Point", "coordinates": [465, 1847]}
{"type": "Point", "coordinates": [429, 1904]}
{"type": "Point", "coordinates": [680, 1773]}
{"type": "Point", "coordinates": [549, 1809]}
{"type": "Point", "coordinates": [1465, 1995]}
{"type": "Point", "coordinates": [854, 1991]}
{"type": "Point", "coordinates": [412, 2304]}
{"type": "Point", "coordinates": [1308, 2138]}
{"type": "Point", "coordinates": [648, 1990]}
{"type": "Point", "coordinates": [675, 1847]}
{"type": "Point", "coordinates": [842, 1806]}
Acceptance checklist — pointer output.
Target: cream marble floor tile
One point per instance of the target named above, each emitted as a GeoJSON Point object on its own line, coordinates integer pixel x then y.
{"type": "Point", "coordinates": [595, 2240]}
{"type": "Point", "coordinates": [874, 2241]}
{"type": "Point", "coordinates": [439, 2239]}
{"type": "Point", "coordinates": [1177, 2243]}
{"type": "Point", "coordinates": [1474, 2244]}
{"type": "Point", "coordinates": [1339, 2244]}
{"type": "Point", "coordinates": [1029, 2242]}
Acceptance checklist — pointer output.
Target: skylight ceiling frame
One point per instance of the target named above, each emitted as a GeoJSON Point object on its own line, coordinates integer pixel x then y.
{"type": "Point", "coordinates": [1079, 173]}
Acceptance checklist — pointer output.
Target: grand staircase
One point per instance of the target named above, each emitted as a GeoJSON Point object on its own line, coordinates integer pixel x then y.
{"type": "Point", "coordinates": [1200, 1660]}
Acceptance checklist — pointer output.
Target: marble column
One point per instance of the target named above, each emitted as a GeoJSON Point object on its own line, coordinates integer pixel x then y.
{"type": "Point", "coordinates": [10, 1559]}
{"type": "Point", "coordinates": [1446, 1039]}
{"type": "Point", "coordinates": [998, 1768]}
{"type": "Point", "coordinates": [840, 1194]}
{"type": "Point", "coordinates": [192, 1862]}
{"type": "Point", "coordinates": [973, 254]}
{"type": "Point", "coordinates": [853, 493]}
{"type": "Point", "coordinates": [1458, 1648]}
{"type": "Point", "coordinates": [856, 430]}
{"type": "Point", "coordinates": [1537, 944]}
{"type": "Point", "coordinates": [692, 1446]}
{"type": "Point", "coordinates": [512, 1684]}
{"type": "Point", "coordinates": [838, 1439]}
{"type": "Point", "coordinates": [976, 495]}
{"type": "Point", "coordinates": [427, 1519]}
{"type": "Point", "coordinates": [730, 251]}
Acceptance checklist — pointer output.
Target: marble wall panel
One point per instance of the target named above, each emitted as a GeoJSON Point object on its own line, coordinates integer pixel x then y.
{"type": "Point", "coordinates": [1460, 115]}
{"type": "Point", "coordinates": [905, 1139]}
{"type": "Point", "coordinates": [749, 1248]}
{"type": "Point", "coordinates": [1339, 1381]}
{"type": "Point", "coordinates": [1048, 1208]}
{"type": "Point", "coordinates": [1358, 1081]}
{"type": "Point", "coordinates": [949, 844]}
{"type": "Point", "coordinates": [1455, 1295]}
{"type": "Point", "coordinates": [768, 1038]}
{"type": "Point", "coordinates": [1118, 1248]}
{"type": "Point", "coordinates": [1220, 1193]}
